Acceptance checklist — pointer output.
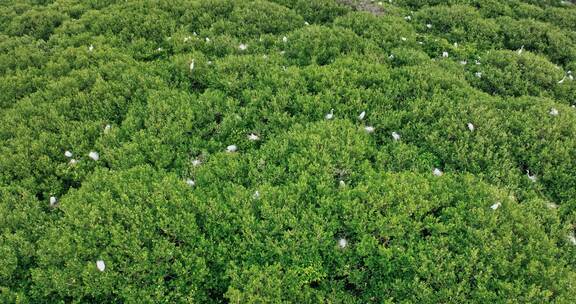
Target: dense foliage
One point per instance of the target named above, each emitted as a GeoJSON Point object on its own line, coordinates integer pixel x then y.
{"type": "Point", "coordinates": [211, 151]}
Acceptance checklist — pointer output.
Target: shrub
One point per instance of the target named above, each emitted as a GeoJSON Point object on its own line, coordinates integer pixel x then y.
{"type": "Point", "coordinates": [287, 151]}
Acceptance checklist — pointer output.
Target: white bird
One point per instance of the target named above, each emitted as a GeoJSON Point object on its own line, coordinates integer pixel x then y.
{"type": "Point", "coordinates": [362, 115]}
{"type": "Point", "coordinates": [107, 129]}
{"type": "Point", "coordinates": [572, 238]}
{"type": "Point", "coordinates": [521, 50]}
{"type": "Point", "coordinates": [94, 155]}
{"type": "Point", "coordinates": [256, 195]}
{"type": "Point", "coordinates": [429, 25]}
{"type": "Point", "coordinates": [342, 184]}
{"type": "Point", "coordinates": [190, 182]}
{"type": "Point", "coordinates": [554, 112]}
{"type": "Point", "coordinates": [445, 54]}
{"type": "Point", "coordinates": [231, 148]}
{"type": "Point", "coordinates": [207, 39]}
{"type": "Point", "coordinates": [551, 205]}
{"type": "Point", "coordinates": [395, 136]}
{"type": "Point", "coordinates": [437, 172]}
{"type": "Point", "coordinates": [253, 137]}
{"type": "Point", "coordinates": [159, 49]}
{"type": "Point", "coordinates": [403, 38]}
{"type": "Point", "coordinates": [192, 65]}
{"type": "Point", "coordinates": [455, 44]}
{"type": "Point", "coordinates": [562, 80]}
{"type": "Point", "coordinates": [463, 62]}
{"type": "Point", "coordinates": [408, 18]}
{"type": "Point", "coordinates": [533, 177]}
{"type": "Point", "coordinates": [330, 115]}
{"type": "Point", "coordinates": [369, 129]}
{"type": "Point", "coordinates": [242, 47]}
{"type": "Point", "coordinates": [478, 74]}
{"type": "Point", "coordinates": [496, 206]}
{"type": "Point", "coordinates": [196, 162]}
{"type": "Point", "coordinates": [284, 39]}
{"type": "Point", "coordinates": [470, 127]}
{"type": "Point", "coordinates": [100, 265]}
{"type": "Point", "coordinates": [306, 23]}
{"type": "Point", "coordinates": [342, 243]}
{"type": "Point", "coordinates": [73, 162]}
{"type": "Point", "coordinates": [67, 153]}
{"type": "Point", "coordinates": [90, 48]}
{"type": "Point", "coordinates": [187, 38]}
{"type": "Point", "coordinates": [477, 62]}
{"type": "Point", "coordinates": [391, 56]}
{"type": "Point", "coordinates": [53, 201]}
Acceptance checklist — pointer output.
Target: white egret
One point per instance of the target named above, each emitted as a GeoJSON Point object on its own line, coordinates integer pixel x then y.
{"type": "Point", "coordinates": [231, 148]}
{"type": "Point", "coordinates": [100, 265]}
{"type": "Point", "coordinates": [554, 112]}
{"type": "Point", "coordinates": [395, 136]}
{"type": "Point", "coordinates": [330, 115]}
{"type": "Point", "coordinates": [532, 177]}
{"type": "Point", "coordinates": [572, 238]}
{"type": "Point", "coordinates": [94, 155]}
{"type": "Point", "coordinates": [190, 182]}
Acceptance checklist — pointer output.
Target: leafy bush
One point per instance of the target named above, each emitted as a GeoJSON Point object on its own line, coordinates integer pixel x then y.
{"type": "Point", "coordinates": [283, 151]}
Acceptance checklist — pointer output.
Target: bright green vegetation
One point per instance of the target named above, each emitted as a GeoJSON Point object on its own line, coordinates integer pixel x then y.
{"type": "Point", "coordinates": [313, 210]}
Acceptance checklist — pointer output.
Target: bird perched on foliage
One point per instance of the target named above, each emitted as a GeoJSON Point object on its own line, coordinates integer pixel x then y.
{"type": "Point", "coordinates": [100, 265]}
{"type": "Point", "coordinates": [94, 155]}
{"type": "Point", "coordinates": [330, 115]}
{"type": "Point", "coordinates": [437, 172]}
{"type": "Point", "coordinates": [532, 177]}
{"type": "Point", "coordinates": [231, 148]}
